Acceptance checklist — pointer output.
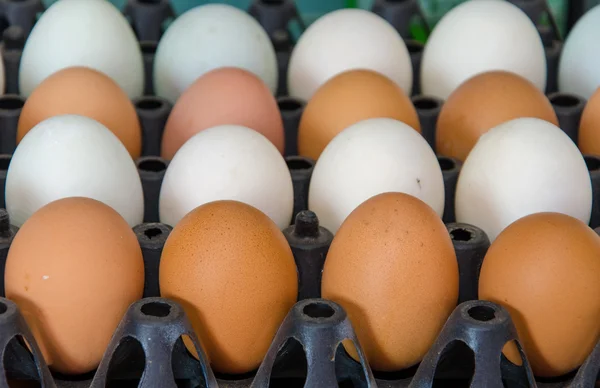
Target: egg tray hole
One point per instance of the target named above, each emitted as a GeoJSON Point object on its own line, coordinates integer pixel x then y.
{"type": "Point", "coordinates": [152, 165]}
{"type": "Point", "coordinates": [11, 103]}
{"type": "Point", "coordinates": [592, 163]}
{"type": "Point", "coordinates": [289, 105]}
{"type": "Point", "coordinates": [149, 104]}
{"type": "Point", "coordinates": [298, 164]}
{"type": "Point", "coordinates": [461, 235]}
{"type": "Point", "coordinates": [565, 101]}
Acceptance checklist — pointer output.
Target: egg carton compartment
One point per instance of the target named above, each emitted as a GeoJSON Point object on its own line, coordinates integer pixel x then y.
{"type": "Point", "coordinates": [148, 350]}
{"type": "Point", "coordinates": [306, 350]}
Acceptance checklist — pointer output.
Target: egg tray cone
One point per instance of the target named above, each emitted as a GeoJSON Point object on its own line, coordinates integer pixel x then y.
{"type": "Point", "coordinates": [147, 350]}
{"type": "Point", "coordinates": [148, 17]}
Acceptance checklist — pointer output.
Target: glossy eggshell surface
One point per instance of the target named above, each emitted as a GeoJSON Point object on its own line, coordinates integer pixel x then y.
{"type": "Point", "coordinates": [479, 36]}
{"type": "Point", "coordinates": [73, 269]}
{"type": "Point", "coordinates": [347, 99]}
{"type": "Point", "coordinates": [208, 37]}
{"type": "Point", "coordinates": [227, 162]}
{"type": "Point", "coordinates": [67, 156]}
{"type": "Point", "coordinates": [393, 268]}
{"type": "Point", "coordinates": [483, 102]}
{"type": "Point", "coordinates": [589, 126]}
{"type": "Point", "coordinates": [371, 157]}
{"type": "Point", "coordinates": [545, 269]}
{"type": "Point", "coordinates": [92, 33]}
{"type": "Point", "coordinates": [579, 66]}
{"type": "Point", "coordinates": [87, 92]}
{"type": "Point", "coordinates": [343, 40]}
{"type": "Point", "coordinates": [521, 167]}
{"type": "Point", "coordinates": [233, 272]}
{"type": "Point", "coordinates": [223, 96]}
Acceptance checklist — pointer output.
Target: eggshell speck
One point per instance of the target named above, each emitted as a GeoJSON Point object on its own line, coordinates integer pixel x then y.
{"type": "Point", "coordinates": [73, 269]}
{"type": "Point", "coordinates": [371, 157]}
{"type": "Point", "coordinates": [393, 268]}
{"type": "Point", "coordinates": [233, 272]}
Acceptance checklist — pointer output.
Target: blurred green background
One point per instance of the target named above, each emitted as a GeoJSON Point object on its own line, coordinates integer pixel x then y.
{"type": "Point", "coordinates": [312, 9]}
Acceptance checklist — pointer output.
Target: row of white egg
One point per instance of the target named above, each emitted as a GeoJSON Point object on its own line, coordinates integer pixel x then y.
{"type": "Point", "coordinates": [520, 167]}
{"type": "Point", "coordinates": [474, 37]}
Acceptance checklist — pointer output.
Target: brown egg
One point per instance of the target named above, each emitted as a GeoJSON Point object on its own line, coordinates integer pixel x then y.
{"type": "Point", "coordinates": [87, 92]}
{"type": "Point", "coordinates": [223, 96]}
{"type": "Point", "coordinates": [232, 270]}
{"type": "Point", "coordinates": [483, 102]}
{"type": "Point", "coordinates": [589, 126]}
{"type": "Point", "coordinates": [545, 269]}
{"type": "Point", "coordinates": [348, 98]}
{"type": "Point", "coordinates": [393, 268]}
{"type": "Point", "coordinates": [73, 269]}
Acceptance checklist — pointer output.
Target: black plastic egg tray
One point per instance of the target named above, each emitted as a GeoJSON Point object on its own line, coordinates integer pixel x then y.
{"type": "Point", "coordinates": [147, 349]}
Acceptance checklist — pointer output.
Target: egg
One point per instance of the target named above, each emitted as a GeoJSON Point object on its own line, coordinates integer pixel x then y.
{"type": "Point", "coordinates": [589, 135]}
{"type": "Point", "coordinates": [483, 102]}
{"type": "Point", "coordinates": [393, 268]}
{"type": "Point", "coordinates": [520, 167]}
{"type": "Point", "coordinates": [67, 156]}
{"type": "Point", "coordinates": [208, 37]}
{"type": "Point", "coordinates": [227, 162]}
{"type": "Point", "coordinates": [87, 92]}
{"type": "Point", "coordinates": [343, 40]}
{"type": "Point", "coordinates": [2, 75]}
{"type": "Point", "coordinates": [73, 269]}
{"type": "Point", "coordinates": [346, 99]}
{"type": "Point", "coordinates": [226, 95]}
{"type": "Point", "coordinates": [479, 36]}
{"type": "Point", "coordinates": [371, 157]}
{"type": "Point", "coordinates": [90, 33]}
{"type": "Point", "coordinates": [579, 65]}
{"type": "Point", "coordinates": [232, 270]}
{"type": "Point", "coordinates": [544, 269]}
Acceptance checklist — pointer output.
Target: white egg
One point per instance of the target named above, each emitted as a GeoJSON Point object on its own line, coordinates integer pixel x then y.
{"type": "Point", "coordinates": [72, 156]}
{"type": "Point", "coordinates": [521, 167]}
{"type": "Point", "coordinates": [343, 40]}
{"type": "Point", "coordinates": [479, 36]}
{"type": "Point", "coordinates": [90, 33]}
{"type": "Point", "coordinates": [371, 157]}
{"type": "Point", "coordinates": [208, 37]}
{"type": "Point", "coordinates": [579, 67]}
{"type": "Point", "coordinates": [227, 162]}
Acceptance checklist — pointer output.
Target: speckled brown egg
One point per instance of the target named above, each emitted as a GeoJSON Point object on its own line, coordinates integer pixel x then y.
{"type": "Point", "coordinates": [589, 126]}
{"type": "Point", "coordinates": [232, 270]}
{"type": "Point", "coordinates": [87, 92]}
{"type": "Point", "coordinates": [393, 268]}
{"type": "Point", "coordinates": [73, 269]}
{"type": "Point", "coordinates": [226, 95]}
{"type": "Point", "coordinates": [346, 99]}
{"type": "Point", "coordinates": [545, 269]}
{"type": "Point", "coordinates": [483, 102]}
